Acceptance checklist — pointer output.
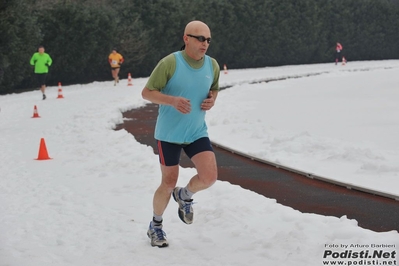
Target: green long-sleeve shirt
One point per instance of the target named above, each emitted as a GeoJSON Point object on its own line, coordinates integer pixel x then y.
{"type": "Point", "coordinates": [41, 62]}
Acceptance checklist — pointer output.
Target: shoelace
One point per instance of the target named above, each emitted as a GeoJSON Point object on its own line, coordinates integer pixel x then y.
{"type": "Point", "coordinates": [187, 205]}
{"type": "Point", "coordinates": [160, 233]}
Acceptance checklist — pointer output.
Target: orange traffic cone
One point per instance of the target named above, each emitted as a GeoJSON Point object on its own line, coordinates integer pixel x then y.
{"type": "Point", "coordinates": [60, 96]}
{"type": "Point", "coordinates": [35, 113]}
{"type": "Point", "coordinates": [43, 155]}
{"type": "Point", "coordinates": [129, 80]}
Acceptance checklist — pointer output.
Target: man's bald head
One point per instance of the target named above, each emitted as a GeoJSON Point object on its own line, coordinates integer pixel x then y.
{"type": "Point", "coordinates": [197, 36]}
{"type": "Point", "coordinates": [197, 27]}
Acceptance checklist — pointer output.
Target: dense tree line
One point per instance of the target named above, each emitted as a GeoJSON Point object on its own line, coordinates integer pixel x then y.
{"type": "Point", "coordinates": [79, 35]}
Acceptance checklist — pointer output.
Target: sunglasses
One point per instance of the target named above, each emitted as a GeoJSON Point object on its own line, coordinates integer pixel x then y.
{"type": "Point", "coordinates": [200, 38]}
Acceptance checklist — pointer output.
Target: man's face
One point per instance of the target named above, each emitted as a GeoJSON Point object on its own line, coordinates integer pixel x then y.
{"type": "Point", "coordinates": [41, 50]}
{"type": "Point", "coordinates": [197, 42]}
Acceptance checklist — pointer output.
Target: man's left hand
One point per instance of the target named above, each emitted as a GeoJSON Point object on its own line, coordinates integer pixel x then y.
{"type": "Point", "coordinates": [208, 103]}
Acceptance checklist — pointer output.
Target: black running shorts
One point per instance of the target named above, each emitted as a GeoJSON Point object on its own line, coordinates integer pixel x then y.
{"type": "Point", "coordinates": [41, 79]}
{"type": "Point", "coordinates": [169, 153]}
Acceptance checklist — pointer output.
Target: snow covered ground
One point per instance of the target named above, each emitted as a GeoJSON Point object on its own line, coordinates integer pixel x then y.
{"type": "Point", "coordinates": [92, 202]}
{"type": "Point", "coordinates": [341, 124]}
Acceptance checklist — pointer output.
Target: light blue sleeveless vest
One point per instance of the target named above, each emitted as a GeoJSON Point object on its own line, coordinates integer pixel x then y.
{"type": "Point", "coordinates": [190, 83]}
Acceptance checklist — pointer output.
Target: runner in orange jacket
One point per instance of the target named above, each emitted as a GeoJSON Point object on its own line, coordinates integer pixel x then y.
{"type": "Point", "coordinates": [115, 60]}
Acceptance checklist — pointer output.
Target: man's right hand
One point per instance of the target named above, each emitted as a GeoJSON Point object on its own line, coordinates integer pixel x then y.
{"type": "Point", "coordinates": [182, 105]}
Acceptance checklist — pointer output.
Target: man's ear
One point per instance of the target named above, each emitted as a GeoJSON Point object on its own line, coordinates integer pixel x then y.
{"type": "Point", "coordinates": [185, 38]}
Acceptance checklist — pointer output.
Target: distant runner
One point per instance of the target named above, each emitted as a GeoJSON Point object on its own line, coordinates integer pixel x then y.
{"type": "Point", "coordinates": [338, 50]}
{"type": "Point", "coordinates": [42, 61]}
{"type": "Point", "coordinates": [115, 60]}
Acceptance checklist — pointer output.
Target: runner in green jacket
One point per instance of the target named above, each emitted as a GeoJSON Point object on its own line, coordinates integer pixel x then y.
{"type": "Point", "coordinates": [42, 61]}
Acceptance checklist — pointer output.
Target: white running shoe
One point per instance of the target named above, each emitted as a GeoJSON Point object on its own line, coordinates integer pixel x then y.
{"type": "Point", "coordinates": [157, 236]}
{"type": "Point", "coordinates": [185, 210]}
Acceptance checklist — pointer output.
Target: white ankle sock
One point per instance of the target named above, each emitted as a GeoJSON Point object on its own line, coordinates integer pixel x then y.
{"type": "Point", "coordinates": [186, 194]}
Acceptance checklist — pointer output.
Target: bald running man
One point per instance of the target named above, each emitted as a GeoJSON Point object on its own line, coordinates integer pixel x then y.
{"type": "Point", "coordinates": [185, 84]}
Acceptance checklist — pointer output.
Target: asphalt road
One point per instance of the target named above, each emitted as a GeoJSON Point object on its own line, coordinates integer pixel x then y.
{"type": "Point", "coordinates": [307, 195]}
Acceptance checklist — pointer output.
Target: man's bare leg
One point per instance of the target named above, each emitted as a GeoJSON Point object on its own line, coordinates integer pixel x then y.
{"type": "Point", "coordinates": [43, 90]}
{"type": "Point", "coordinates": [205, 163]}
{"type": "Point", "coordinates": [168, 183]}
